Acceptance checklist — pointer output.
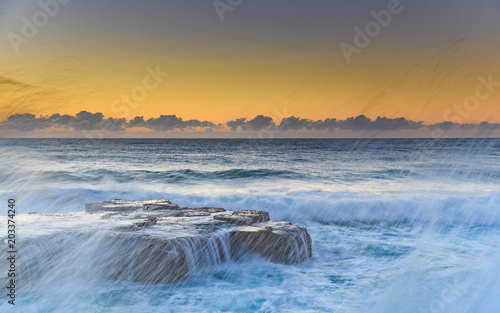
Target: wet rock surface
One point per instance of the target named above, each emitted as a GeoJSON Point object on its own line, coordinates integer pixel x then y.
{"type": "Point", "coordinates": [247, 232]}
{"type": "Point", "coordinates": [280, 242]}
{"type": "Point", "coordinates": [245, 217]}
{"type": "Point", "coordinates": [155, 241]}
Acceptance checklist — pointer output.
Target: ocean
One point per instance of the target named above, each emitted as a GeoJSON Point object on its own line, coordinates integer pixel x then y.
{"type": "Point", "coordinates": [398, 225]}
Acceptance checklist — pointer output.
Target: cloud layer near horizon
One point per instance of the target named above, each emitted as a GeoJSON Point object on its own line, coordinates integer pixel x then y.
{"type": "Point", "coordinates": [86, 121]}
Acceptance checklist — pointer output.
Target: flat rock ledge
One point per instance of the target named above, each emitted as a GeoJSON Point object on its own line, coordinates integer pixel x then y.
{"type": "Point", "coordinates": [166, 242]}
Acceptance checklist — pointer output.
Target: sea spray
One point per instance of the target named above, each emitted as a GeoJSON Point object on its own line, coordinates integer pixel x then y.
{"type": "Point", "coordinates": [412, 229]}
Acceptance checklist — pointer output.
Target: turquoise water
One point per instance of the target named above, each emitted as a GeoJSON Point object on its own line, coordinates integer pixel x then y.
{"type": "Point", "coordinates": [398, 225]}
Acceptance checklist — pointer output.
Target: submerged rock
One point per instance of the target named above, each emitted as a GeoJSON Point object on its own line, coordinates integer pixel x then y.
{"type": "Point", "coordinates": [155, 241]}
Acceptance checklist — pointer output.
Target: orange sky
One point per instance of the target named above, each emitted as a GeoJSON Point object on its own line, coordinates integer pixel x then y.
{"type": "Point", "coordinates": [408, 72]}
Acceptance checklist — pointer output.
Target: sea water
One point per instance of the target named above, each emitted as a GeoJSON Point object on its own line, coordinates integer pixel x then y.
{"type": "Point", "coordinates": [398, 225]}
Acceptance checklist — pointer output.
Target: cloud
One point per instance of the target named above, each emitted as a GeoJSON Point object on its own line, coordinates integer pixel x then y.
{"type": "Point", "coordinates": [445, 125]}
{"type": "Point", "coordinates": [168, 123]}
{"type": "Point", "coordinates": [81, 121]}
{"type": "Point", "coordinates": [137, 121]}
{"type": "Point", "coordinates": [450, 126]}
{"type": "Point", "coordinates": [359, 123]}
{"type": "Point", "coordinates": [26, 122]}
{"type": "Point", "coordinates": [62, 120]}
{"type": "Point", "coordinates": [488, 126]}
{"type": "Point", "coordinates": [95, 121]}
{"type": "Point", "coordinates": [258, 123]}
{"type": "Point", "coordinates": [240, 122]}
{"type": "Point", "coordinates": [87, 121]}
{"type": "Point", "coordinates": [399, 123]}
{"type": "Point", "coordinates": [294, 123]}
{"type": "Point", "coordinates": [329, 123]}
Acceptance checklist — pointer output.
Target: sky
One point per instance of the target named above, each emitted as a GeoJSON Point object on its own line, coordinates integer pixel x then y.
{"type": "Point", "coordinates": [313, 68]}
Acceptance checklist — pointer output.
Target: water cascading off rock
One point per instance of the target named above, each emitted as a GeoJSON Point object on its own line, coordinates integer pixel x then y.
{"type": "Point", "coordinates": [158, 242]}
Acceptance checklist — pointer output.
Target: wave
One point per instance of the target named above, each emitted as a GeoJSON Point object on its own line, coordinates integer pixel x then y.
{"type": "Point", "coordinates": [174, 176]}
{"type": "Point", "coordinates": [351, 208]}
{"type": "Point", "coordinates": [186, 176]}
{"type": "Point", "coordinates": [321, 206]}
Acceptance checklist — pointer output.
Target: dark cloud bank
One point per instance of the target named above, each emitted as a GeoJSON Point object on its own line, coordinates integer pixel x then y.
{"type": "Point", "coordinates": [86, 121]}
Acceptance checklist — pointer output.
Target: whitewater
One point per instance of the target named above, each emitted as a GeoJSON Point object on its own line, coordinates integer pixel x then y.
{"type": "Point", "coordinates": [398, 225]}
